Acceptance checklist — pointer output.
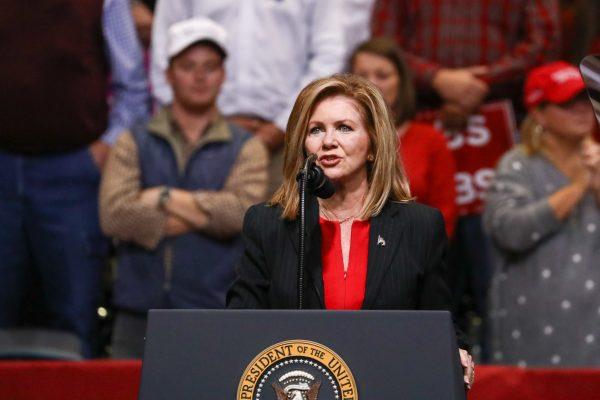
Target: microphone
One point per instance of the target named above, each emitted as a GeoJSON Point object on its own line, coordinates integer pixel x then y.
{"type": "Point", "coordinates": [311, 179]}
{"type": "Point", "coordinates": [317, 182]}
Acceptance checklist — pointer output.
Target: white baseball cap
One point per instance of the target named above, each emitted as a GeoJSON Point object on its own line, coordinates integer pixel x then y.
{"type": "Point", "coordinates": [183, 34]}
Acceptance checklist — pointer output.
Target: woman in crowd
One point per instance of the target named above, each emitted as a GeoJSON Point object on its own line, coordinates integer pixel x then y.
{"type": "Point", "coordinates": [544, 217]}
{"type": "Point", "coordinates": [428, 162]}
{"type": "Point", "coordinates": [344, 121]}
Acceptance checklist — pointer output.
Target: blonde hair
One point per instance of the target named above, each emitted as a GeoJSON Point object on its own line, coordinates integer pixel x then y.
{"type": "Point", "coordinates": [531, 131]}
{"type": "Point", "coordinates": [387, 180]}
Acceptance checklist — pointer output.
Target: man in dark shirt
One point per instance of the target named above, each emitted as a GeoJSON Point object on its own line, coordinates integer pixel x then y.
{"type": "Point", "coordinates": [57, 127]}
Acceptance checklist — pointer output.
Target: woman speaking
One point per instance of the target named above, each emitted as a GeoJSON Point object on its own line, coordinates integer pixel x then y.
{"type": "Point", "coordinates": [368, 246]}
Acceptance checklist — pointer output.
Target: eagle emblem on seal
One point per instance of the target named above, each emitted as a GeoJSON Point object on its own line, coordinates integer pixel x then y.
{"type": "Point", "coordinates": [297, 385]}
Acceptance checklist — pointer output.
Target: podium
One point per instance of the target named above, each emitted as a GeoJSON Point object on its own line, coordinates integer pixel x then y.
{"type": "Point", "coordinates": [307, 354]}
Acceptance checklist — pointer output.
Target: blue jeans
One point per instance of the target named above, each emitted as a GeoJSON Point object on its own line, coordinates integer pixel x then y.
{"type": "Point", "coordinates": [49, 228]}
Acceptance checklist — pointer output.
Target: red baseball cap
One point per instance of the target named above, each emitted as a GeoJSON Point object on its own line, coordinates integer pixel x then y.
{"type": "Point", "coordinates": [557, 82]}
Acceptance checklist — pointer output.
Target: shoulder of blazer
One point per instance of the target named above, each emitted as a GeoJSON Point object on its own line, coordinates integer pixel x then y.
{"type": "Point", "coordinates": [265, 221]}
{"type": "Point", "coordinates": [264, 211]}
{"type": "Point", "coordinates": [418, 219]}
{"type": "Point", "coordinates": [421, 228]}
{"type": "Point", "coordinates": [411, 211]}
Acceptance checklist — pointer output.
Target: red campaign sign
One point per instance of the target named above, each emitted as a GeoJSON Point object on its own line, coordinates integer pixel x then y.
{"type": "Point", "coordinates": [477, 150]}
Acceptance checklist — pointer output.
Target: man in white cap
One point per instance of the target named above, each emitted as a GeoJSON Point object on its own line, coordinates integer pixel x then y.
{"type": "Point", "coordinates": [277, 47]}
{"type": "Point", "coordinates": [175, 191]}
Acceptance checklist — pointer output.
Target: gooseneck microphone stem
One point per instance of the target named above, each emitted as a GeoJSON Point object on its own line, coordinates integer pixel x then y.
{"type": "Point", "coordinates": [302, 178]}
{"type": "Point", "coordinates": [312, 181]}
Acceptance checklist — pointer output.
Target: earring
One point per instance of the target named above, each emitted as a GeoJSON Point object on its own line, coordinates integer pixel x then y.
{"type": "Point", "coordinates": [370, 158]}
{"type": "Point", "coordinates": [538, 130]}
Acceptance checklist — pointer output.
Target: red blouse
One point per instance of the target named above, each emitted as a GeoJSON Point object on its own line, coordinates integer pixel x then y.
{"type": "Point", "coordinates": [344, 292]}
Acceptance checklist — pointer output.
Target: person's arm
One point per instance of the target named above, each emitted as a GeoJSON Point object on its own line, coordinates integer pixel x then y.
{"type": "Point", "coordinates": [396, 19]}
{"type": "Point", "coordinates": [142, 18]}
{"type": "Point", "coordinates": [220, 213]}
{"type": "Point", "coordinates": [391, 18]}
{"type": "Point", "coordinates": [250, 289]}
{"type": "Point", "coordinates": [460, 86]}
{"type": "Point", "coordinates": [123, 214]}
{"type": "Point", "coordinates": [540, 42]}
{"type": "Point", "coordinates": [563, 201]}
{"type": "Point", "coordinates": [442, 190]}
{"type": "Point", "coordinates": [166, 13]}
{"type": "Point", "coordinates": [246, 185]}
{"type": "Point", "coordinates": [515, 219]}
{"type": "Point", "coordinates": [326, 49]}
{"type": "Point", "coordinates": [130, 92]}
{"type": "Point", "coordinates": [591, 161]}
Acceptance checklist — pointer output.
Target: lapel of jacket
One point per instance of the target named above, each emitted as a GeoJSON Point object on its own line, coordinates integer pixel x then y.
{"type": "Point", "coordinates": [384, 240]}
{"type": "Point", "coordinates": [313, 267]}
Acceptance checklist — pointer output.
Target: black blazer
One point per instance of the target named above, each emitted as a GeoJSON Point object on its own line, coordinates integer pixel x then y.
{"type": "Point", "coordinates": [405, 273]}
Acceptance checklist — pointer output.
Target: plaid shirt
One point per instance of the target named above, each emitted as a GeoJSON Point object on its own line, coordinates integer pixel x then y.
{"type": "Point", "coordinates": [508, 36]}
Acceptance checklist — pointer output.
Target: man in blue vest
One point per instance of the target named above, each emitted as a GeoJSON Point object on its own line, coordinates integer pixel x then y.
{"type": "Point", "coordinates": [175, 191]}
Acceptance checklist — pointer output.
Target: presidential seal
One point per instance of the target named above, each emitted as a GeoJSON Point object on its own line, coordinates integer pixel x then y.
{"type": "Point", "coordinates": [297, 370]}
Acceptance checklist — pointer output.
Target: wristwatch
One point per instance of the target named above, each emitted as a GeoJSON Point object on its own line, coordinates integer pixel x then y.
{"type": "Point", "coordinates": [163, 197]}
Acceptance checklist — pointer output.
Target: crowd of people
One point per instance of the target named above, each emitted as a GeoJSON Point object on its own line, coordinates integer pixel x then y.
{"type": "Point", "coordinates": [137, 134]}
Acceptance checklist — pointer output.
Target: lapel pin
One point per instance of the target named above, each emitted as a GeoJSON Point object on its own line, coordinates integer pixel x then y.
{"type": "Point", "coordinates": [380, 241]}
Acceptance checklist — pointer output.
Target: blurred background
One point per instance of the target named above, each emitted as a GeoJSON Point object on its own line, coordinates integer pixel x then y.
{"type": "Point", "coordinates": [493, 131]}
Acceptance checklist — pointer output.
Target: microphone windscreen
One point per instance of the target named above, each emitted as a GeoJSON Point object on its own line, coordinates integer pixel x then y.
{"type": "Point", "coordinates": [318, 183]}
{"type": "Point", "coordinates": [326, 190]}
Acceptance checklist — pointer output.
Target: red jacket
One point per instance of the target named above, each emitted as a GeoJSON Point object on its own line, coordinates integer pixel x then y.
{"type": "Point", "coordinates": [430, 167]}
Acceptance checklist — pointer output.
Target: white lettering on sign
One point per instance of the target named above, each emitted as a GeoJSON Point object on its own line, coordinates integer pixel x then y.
{"type": "Point", "coordinates": [470, 187]}
{"type": "Point", "coordinates": [476, 135]}
{"type": "Point", "coordinates": [565, 75]}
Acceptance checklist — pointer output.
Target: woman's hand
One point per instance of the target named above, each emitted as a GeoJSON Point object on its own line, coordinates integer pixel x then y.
{"type": "Point", "coordinates": [591, 160]}
{"type": "Point", "coordinates": [468, 368]}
